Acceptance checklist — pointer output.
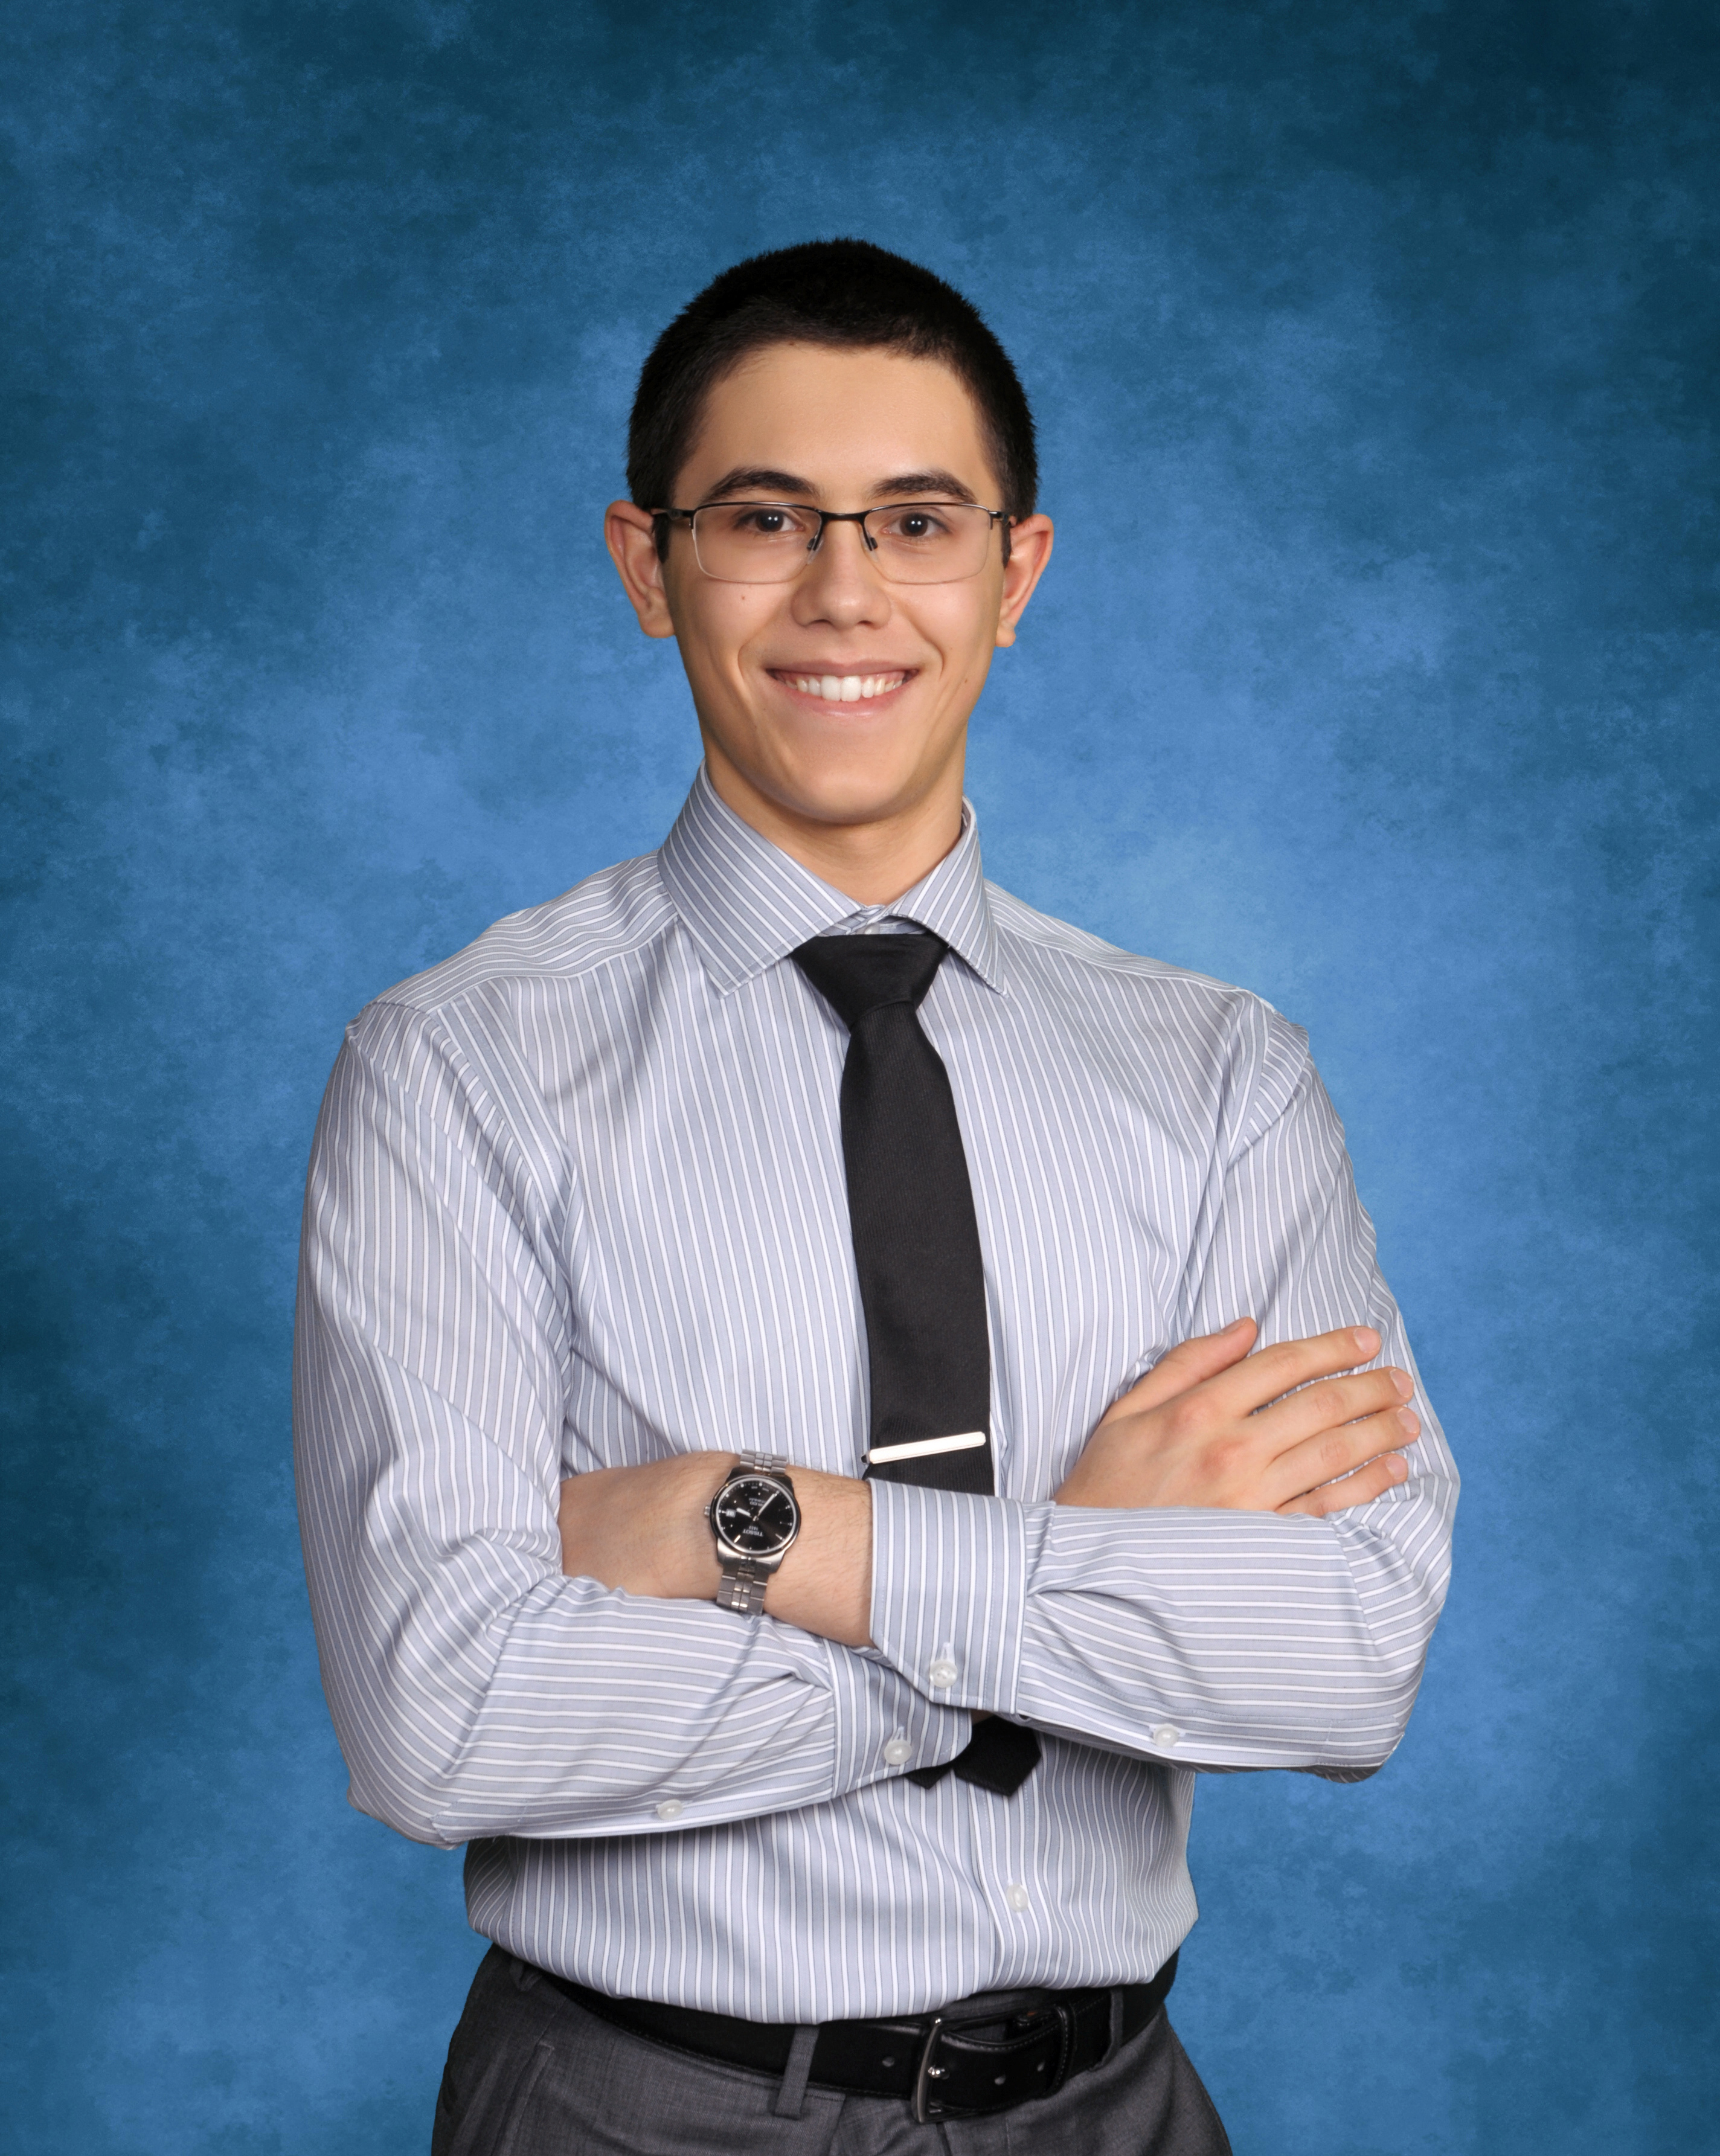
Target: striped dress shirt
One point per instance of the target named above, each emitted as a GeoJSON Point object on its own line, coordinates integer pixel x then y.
{"type": "Point", "coordinates": [577, 1200]}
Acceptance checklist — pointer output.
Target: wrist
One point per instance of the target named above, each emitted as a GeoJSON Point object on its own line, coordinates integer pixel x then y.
{"type": "Point", "coordinates": [825, 1583]}
{"type": "Point", "coordinates": [700, 1572]}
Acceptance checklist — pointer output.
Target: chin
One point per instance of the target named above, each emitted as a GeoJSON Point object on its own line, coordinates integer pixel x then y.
{"type": "Point", "coordinates": [835, 769]}
{"type": "Point", "coordinates": [844, 794]}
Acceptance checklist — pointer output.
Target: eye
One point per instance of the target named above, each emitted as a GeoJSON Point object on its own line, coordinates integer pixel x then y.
{"type": "Point", "coordinates": [762, 521]}
{"type": "Point", "coordinates": [919, 524]}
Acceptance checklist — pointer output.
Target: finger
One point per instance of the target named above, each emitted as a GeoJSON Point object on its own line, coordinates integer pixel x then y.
{"type": "Point", "coordinates": [1335, 1453]}
{"type": "Point", "coordinates": [1360, 1488]}
{"type": "Point", "coordinates": [1188, 1365]}
{"type": "Point", "coordinates": [1326, 1405]}
{"type": "Point", "coordinates": [1270, 1373]}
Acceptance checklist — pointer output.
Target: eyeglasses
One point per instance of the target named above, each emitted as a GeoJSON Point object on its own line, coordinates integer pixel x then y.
{"type": "Point", "coordinates": [771, 542]}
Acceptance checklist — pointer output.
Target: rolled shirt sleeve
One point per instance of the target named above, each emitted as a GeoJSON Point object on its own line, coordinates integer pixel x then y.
{"type": "Point", "coordinates": [476, 1691]}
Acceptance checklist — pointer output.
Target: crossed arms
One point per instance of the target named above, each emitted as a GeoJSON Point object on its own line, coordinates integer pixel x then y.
{"type": "Point", "coordinates": [1209, 1425]}
{"type": "Point", "coordinates": [507, 1656]}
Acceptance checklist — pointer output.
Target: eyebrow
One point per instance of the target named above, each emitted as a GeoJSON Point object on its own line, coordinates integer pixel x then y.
{"type": "Point", "coordinates": [758, 478]}
{"type": "Point", "coordinates": [927, 482]}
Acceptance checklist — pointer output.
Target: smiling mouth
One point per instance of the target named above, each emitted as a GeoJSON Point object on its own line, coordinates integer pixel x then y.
{"type": "Point", "coordinates": [843, 688]}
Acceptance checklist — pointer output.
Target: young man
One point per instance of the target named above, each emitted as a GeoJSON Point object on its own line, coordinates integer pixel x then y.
{"type": "Point", "coordinates": [733, 1502]}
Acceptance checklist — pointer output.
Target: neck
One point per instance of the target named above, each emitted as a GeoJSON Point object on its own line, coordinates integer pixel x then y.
{"type": "Point", "coordinates": [870, 861]}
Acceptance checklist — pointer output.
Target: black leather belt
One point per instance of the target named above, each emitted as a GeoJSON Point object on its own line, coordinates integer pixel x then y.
{"type": "Point", "coordinates": [966, 2058]}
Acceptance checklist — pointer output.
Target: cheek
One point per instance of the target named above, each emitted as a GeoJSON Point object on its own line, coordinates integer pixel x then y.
{"type": "Point", "coordinates": [716, 622]}
{"type": "Point", "coordinates": [964, 639]}
{"type": "Point", "coordinates": [744, 619]}
{"type": "Point", "coordinates": [959, 621]}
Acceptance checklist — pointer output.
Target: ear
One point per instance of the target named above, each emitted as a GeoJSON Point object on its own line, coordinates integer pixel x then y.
{"type": "Point", "coordinates": [1029, 550]}
{"type": "Point", "coordinates": [630, 535]}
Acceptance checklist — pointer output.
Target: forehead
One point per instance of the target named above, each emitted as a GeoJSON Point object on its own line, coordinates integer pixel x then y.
{"type": "Point", "coordinates": [846, 422]}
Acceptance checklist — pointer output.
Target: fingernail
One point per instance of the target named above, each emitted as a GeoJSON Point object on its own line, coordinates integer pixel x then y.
{"type": "Point", "coordinates": [1367, 1339]}
{"type": "Point", "coordinates": [1236, 1325]}
{"type": "Point", "coordinates": [1405, 1382]}
{"type": "Point", "coordinates": [1409, 1421]}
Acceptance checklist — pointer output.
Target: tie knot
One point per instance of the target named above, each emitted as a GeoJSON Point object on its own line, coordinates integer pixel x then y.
{"type": "Point", "coordinates": [860, 973]}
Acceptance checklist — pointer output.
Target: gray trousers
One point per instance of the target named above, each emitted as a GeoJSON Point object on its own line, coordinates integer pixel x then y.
{"type": "Point", "coordinates": [532, 2074]}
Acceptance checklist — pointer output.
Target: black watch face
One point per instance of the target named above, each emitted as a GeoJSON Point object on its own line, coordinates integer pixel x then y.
{"type": "Point", "coordinates": [755, 1516]}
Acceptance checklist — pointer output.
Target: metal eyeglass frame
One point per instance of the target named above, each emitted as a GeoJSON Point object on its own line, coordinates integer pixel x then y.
{"type": "Point", "coordinates": [827, 517]}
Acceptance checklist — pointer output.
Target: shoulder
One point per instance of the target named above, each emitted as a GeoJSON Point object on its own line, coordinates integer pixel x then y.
{"type": "Point", "coordinates": [454, 1052]}
{"type": "Point", "coordinates": [1054, 952]}
{"type": "Point", "coordinates": [609, 916]}
{"type": "Point", "coordinates": [1224, 1037]}
{"type": "Point", "coordinates": [469, 1015]}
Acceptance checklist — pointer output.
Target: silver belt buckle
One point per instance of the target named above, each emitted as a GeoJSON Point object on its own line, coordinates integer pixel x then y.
{"type": "Point", "coordinates": [924, 2109]}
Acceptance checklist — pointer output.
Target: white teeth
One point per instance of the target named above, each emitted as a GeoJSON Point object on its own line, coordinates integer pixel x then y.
{"type": "Point", "coordinates": [846, 688]}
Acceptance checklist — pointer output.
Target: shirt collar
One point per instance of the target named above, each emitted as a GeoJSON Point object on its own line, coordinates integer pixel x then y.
{"type": "Point", "coordinates": [746, 905]}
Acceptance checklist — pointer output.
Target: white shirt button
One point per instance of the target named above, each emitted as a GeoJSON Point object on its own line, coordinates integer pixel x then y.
{"type": "Point", "coordinates": [943, 1672]}
{"type": "Point", "coordinates": [1016, 1895]}
{"type": "Point", "coordinates": [898, 1751]}
{"type": "Point", "coordinates": [1166, 1735]}
{"type": "Point", "coordinates": [670, 1808]}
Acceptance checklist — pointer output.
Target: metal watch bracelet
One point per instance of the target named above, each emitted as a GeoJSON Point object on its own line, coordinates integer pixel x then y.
{"type": "Point", "coordinates": [744, 1581]}
{"type": "Point", "coordinates": [743, 1587]}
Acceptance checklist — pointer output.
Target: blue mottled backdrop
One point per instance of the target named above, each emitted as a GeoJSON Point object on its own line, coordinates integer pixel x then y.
{"type": "Point", "coordinates": [1375, 352]}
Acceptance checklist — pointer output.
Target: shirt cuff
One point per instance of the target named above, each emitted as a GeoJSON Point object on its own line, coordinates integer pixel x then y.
{"type": "Point", "coordinates": [884, 1726]}
{"type": "Point", "coordinates": [949, 1582]}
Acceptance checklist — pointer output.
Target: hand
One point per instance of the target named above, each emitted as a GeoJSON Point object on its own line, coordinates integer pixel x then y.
{"type": "Point", "coordinates": [643, 1530]}
{"type": "Point", "coordinates": [1212, 1425]}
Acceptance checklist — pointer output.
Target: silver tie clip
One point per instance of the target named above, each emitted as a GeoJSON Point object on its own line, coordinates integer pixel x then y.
{"type": "Point", "coordinates": [881, 1456]}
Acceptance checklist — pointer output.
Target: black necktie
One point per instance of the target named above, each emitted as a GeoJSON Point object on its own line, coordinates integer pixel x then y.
{"type": "Point", "coordinates": [916, 1250]}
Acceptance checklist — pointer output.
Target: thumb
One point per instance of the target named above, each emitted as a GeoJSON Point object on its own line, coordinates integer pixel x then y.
{"type": "Point", "coordinates": [1186, 1365]}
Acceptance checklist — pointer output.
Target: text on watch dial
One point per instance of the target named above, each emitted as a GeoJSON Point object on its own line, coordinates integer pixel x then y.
{"type": "Point", "coordinates": [755, 1516]}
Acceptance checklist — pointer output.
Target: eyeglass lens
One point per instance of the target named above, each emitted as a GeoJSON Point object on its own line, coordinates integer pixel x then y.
{"type": "Point", "coordinates": [771, 542]}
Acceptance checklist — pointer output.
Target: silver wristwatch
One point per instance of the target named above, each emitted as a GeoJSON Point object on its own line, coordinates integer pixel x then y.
{"type": "Point", "coordinates": [754, 1517]}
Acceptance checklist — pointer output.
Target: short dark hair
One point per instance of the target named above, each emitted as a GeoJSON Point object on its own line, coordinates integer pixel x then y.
{"type": "Point", "coordinates": [842, 292]}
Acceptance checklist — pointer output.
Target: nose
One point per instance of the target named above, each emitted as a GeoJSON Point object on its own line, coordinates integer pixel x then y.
{"type": "Point", "coordinates": [839, 584]}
